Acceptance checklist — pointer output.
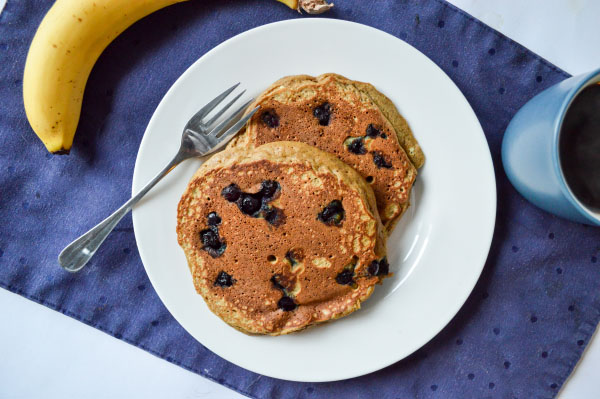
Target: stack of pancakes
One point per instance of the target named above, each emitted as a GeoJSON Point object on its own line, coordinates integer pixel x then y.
{"type": "Point", "coordinates": [287, 227]}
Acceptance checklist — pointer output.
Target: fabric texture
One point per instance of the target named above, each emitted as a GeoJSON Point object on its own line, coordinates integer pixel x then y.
{"type": "Point", "coordinates": [521, 331]}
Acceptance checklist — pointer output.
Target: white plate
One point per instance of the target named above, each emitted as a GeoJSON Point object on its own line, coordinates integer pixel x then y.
{"type": "Point", "coordinates": [437, 251]}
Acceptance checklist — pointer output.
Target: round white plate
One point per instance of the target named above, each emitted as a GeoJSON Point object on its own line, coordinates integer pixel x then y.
{"type": "Point", "coordinates": [436, 252]}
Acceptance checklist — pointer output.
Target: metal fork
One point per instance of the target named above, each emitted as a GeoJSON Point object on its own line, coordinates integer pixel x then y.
{"type": "Point", "coordinates": [199, 138]}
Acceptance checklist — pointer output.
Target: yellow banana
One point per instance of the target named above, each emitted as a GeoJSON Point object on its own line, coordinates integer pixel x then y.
{"type": "Point", "coordinates": [64, 49]}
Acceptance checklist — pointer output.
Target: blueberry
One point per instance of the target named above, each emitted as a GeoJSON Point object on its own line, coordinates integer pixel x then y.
{"type": "Point", "coordinates": [290, 258]}
{"type": "Point", "coordinates": [379, 268]}
{"type": "Point", "coordinates": [231, 193]}
{"type": "Point", "coordinates": [270, 118]}
{"type": "Point", "coordinates": [373, 268]}
{"type": "Point", "coordinates": [274, 216]}
{"type": "Point", "coordinates": [249, 204]}
{"type": "Point", "coordinates": [215, 253]}
{"type": "Point", "coordinates": [213, 219]}
{"type": "Point", "coordinates": [332, 214]}
{"type": "Point", "coordinates": [276, 280]}
{"type": "Point", "coordinates": [384, 267]}
{"type": "Point", "coordinates": [380, 161]}
{"type": "Point", "coordinates": [210, 238]}
{"type": "Point", "coordinates": [323, 113]}
{"type": "Point", "coordinates": [294, 256]}
{"type": "Point", "coordinates": [224, 280]}
{"type": "Point", "coordinates": [286, 303]}
{"type": "Point", "coordinates": [372, 131]}
{"type": "Point", "coordinates": [255, 205]}
{"type": "Point", "coordinates": [357, 146]}
{"type": "Point", "coordinates": [346, 277]}
{"type": "Point", "coordinates": [212, 243]}
{"type": "Point", "coordinates": [268, 189]}
{"type": "Point", "coordinates": [383, 136]}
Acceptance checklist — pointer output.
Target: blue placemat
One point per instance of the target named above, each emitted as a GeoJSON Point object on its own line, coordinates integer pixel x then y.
{"type": "Point", "coordinates": [519, 334]}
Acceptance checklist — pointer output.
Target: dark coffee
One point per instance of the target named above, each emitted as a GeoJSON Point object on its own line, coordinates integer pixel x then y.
{"type": "Point", "coordinates": [579, 146]}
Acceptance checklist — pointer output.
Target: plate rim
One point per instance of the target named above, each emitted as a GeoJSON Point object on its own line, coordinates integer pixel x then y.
{"type": "Point", "coordinates": [489, 166]}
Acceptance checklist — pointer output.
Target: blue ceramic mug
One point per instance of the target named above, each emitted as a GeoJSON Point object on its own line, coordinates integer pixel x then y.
{"type": "Point", "coordinates": [530, 152]}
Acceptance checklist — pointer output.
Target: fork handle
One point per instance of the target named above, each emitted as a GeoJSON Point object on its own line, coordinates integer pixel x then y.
{"type": "Point", "coordinates": [75, 256]}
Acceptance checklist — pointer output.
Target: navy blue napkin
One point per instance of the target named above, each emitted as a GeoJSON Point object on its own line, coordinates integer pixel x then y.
{"type": "Point", "coordinates": [518, 336]}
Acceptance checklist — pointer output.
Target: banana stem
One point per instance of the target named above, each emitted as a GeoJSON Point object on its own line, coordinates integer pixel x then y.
{"type": "Point", "coordinates": [314, 6]}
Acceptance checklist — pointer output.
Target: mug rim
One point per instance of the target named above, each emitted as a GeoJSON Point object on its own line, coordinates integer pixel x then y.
{"type": "Point", "coordinates": [589, 79]}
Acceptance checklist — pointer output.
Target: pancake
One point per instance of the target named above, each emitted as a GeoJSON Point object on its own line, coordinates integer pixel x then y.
{"type": "Point", "coordinates": [281, 237]}
{"type": "Point", "coordinates": [350, 119]}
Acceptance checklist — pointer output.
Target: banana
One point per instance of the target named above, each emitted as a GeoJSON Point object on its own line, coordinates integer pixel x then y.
{"type": "Point", "coordinates": [64, 50]}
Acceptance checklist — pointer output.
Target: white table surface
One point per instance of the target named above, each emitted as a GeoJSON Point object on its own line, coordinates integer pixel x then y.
{"type": "Point", "coordinates": [46, 354]}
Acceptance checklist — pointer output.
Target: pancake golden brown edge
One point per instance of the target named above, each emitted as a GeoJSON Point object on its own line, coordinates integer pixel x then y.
{"type": "Point", "coordinates": [350, 119]}
{"type": "Point", "coordinates": [281, 237]}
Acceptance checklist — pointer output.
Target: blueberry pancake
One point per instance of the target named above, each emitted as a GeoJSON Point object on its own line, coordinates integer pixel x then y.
{"type": "Point", "coordinates": [349, 119]}
{"type": "Point", "coordinates": [281, 237]}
